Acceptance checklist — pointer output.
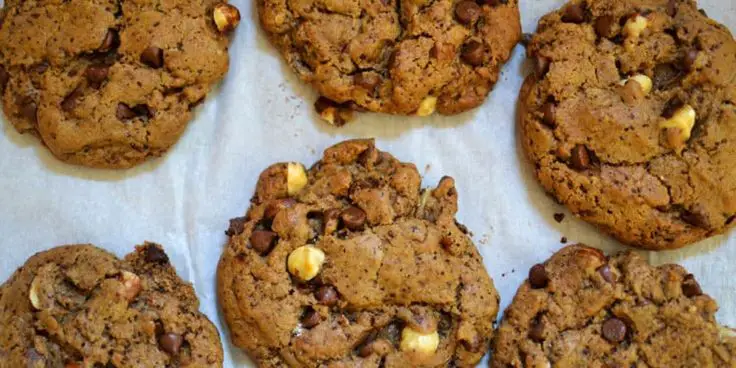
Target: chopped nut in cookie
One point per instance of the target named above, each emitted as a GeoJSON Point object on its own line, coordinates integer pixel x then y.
{"type": "Point", "coordinates": [226, 17]}
{"type": "Point", "coordinates": [679, 127]}
{"type": "Point", "coordinates": [427, 107]}
{"type": "Point", "coordinates": [306, 262]}
{"type": "Point", "coordinates": [296, 178]}
{"type": "Point", "coordinates": [415, 341]}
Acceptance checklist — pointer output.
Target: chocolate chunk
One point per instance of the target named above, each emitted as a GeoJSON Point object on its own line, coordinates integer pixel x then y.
{"type": "Point", "coordinates": [277, 206]}
{"type": "Point", "coordinates": [538, 276]}
{"type": "Point", "coordinates": [473, 52]}
{"type": "Point", "coordinates": [688, 62]}
{"type": "Point", "coordinates": [580, 158]}
{"type": "Point", "coordinates": [4, 78]}
{"type": "Point", "coordinates": [326, 295]}
{"type": "Point", "coordinates": [536, 332]}
{"type": "Point", "coordinates": [559, 217]}
{"type": "Point", "coordinates": [367, 80]}
{"type": "Point", "coordinates": [606, 273]}
{"type": "Point", "coordinates": [614, 330]}
{"type": "Point", "coordinates": [311, 318]}
{"type": "Point", "coordinates": [365, 350]}
{"type": "Point", "coordinates": [665, 76]}
{"type": "Point", "coordinates": [702, 11]}
{"type": "Point", "coordinates": [604, 26]}
{"type": "Point", "coordinates": [170, 343]}
{"type": "Point", "coordinates": [153, 57]}
{"type": "Point", "coordinates": [541, 66]}
{"type": "Point", "coordinates": [696, 216]}
{"type": "Point", "coordinates": [467, 11]}
{"type": "Point", "coordinates": [263, 240]}
{"type": "Point", "coordinates": [154, 254]}
{"type": "Point", "coordinates": [124, 112]}
{"type": "Point", "coordinates": [237, 225]}
{"type": "Point", "coordinates": [672, 8]}
{"type": "Point", "coordinates": [690, 287]}
{"type": "Point", "coordinates": [70, 101]}
{"type": "Point", "coordinates": [353, 218]}
{"type": "Point", "coordinates": [548, 114]}
{"type": "Point", "coordinates": [96, 74]}
{"type": "Point", "coordinates": [29, 109]}
{"type": "Point", "coordinates": [110, 41]}
{"type": "Point", "coordinates": [574, 13]}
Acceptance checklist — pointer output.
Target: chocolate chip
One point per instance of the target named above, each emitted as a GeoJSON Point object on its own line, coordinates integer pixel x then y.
{"type": "Point", "coordinates": [574, 13]}
{"type": "Point", "coordinates": [311, 318]}
{"type": "Point", "coordinates": [665, 76]}
{"type": "Point", "coordinates": [124, 112]}
{"type": "Point", "coordinates": [110, 41]}
{"type": "Point", "coordinates": [671, 107]}
{"type": "Point", "coordinates": [153, 57]}
{"type": "Point", "coordinates": [69, 103]}
{"type": "Point", "coordinates": [604, 26]}
{"type": "Point", "coordinates": [154, 254]}
{"type": "Point", "coordinates": [41, 67]}
{"type": "Point", "coordinates": [696, 216]}
{"type": "Point", "coordinates": [538, 276]}
{"type": "Point", "coordinates": [688, 62]}
{"type": "Point", "coordinates": [263, 240]}
{"type": "Point", "coordinates": [672, 8]}
{"type": "Point", "coordinates": [702, 11]}
{"type": "Point", "coordinates": [548, 114]}
{"type": "Point", "coordinates": [473, 53]}
{"type": "Point", "coordinates": [606, 273]}
{"type": "Point", "coordinates": [326, 295]}
{"type": "Point", "coordinates": [526, 39]}
{"type": "Point", "coordinates": [614, 330]}
{"type": "Point", "coordinates": [170, 343]}
{"type": "Point", "coordinates": [96, 74]}
{"type": "Point", "coordinates": [580, 158]}
{"type": "Point", "coordinates": [536, 332]}
{"type": "Point", "coordinates": [237, 225]}
{"type": "Point", "coordinates": [143, 111]}
{"type": "Point", "coordinates": [559, 217]}
{"type": "Point", "coordinates": [353, 218]}
{"type": "Point", "coordinates": [541, 66]}
{"type": "Point", "coordinates": [29, 109]}
{"type": "Point", "coordinates": [467, 11]}
{"type": "Point", "coordinates": [367, 80]}
{"type": "Point", "coordinates": [365, 350]}
{"type": "Point", "coordinates": [4, 78]}
{"type": "Point", "coordinates": [277, 206]}
{"type": "Point", "coordinates": [690, 287]}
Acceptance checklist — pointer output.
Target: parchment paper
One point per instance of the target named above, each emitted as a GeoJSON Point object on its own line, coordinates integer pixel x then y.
{"type": "Point", "coordinates": [262, 114]}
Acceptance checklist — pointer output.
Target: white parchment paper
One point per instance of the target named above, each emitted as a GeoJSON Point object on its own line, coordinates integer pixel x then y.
{"type": "Point", "coordinates": [262, 114]}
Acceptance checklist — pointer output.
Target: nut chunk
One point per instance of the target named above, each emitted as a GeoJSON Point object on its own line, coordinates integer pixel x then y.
{"type": "Point", "coordinates": [226, 16]}
{"type": "Point", "coordinates": [305, 262]}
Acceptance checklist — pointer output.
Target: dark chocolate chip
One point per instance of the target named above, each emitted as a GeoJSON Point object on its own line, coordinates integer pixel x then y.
{"type": "Point", "coordinates": [702, 11]}
{"type": "Point", "coordinates": [697, 217]}
{"type": "Point", "coordinates": [536, 332]}
{"type": "Point", "coordinates": [580, 158]}
{"type": "Point", "coordinates": [311, 318]}
{"type": "Point", "coordinates": [326, 295]}
{"type": "Point", "coordinates": [604, 26]}
{"type": "Point", "coordinates": [124, 112]}
{"type": "Point", "coordinates": [69, 103]}
{"type": "Point", "coordinates": [155, 254]}
{"type": "Point", "coordinates": [473, 52]}
{"type": "Point", "coordinates": [170, 343]}
{"type": "Point", "coordinates": [559, 217]}
{"type": "Point", "coordinates": [365, 350]}
{"type": "Point", "coordinates": [237, 225]}
{"type": "Point", "coordinates": [277, 206]}
{"type": "Point", "coordinates": [96, 74]}
{"type": "Point", "coordinates": [688, 62]}
{"type": "Point", "coordinates": [367, 80]}
{"type": "Point", "coordinates": [614, 330]}
{"type": "Point", "coordinates": [29, 109]}
{"type": "Point", "coordinates": [353, 218]}
{"type": "Point", "coordinates": [153, 57]}
{"type": "Point", "coordinates": [263, 240]}
{"type": "Point", "coordinates": [4, 78]}
{"type": "Point", "coordinates": [574, 13]}
{"type": "Point", "coordinates": [110, 41]}
{"type": "Point", "coordinates": [541, 66]}
{"type": "Point", "coordinates": [606, 273]}
{"type": "Point", "coordinates": [548, 114]}
{"type": "Point", "coordinates": [538, 276]}
{"type": "Point", "coordinates": [690, 287]}
{"type": "Point", "coordinates": [467, 11]}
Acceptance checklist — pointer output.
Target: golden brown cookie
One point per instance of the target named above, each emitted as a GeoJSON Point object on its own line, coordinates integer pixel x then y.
{"type": "Point", "coordinates": [630, 118]}
{"type": "Point", "coordinates": [107, 83]}
{"type": "Point", "coordinates": [583, 309]}
{"type": "Point", "coordinates": [350, 264]}
{"type": "Point", "coordinates": [80, 306]}
{"type": "Point", "coordinates": [394, 56]}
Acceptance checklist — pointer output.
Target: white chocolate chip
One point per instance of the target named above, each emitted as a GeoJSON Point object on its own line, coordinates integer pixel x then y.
{"type": "Point", "coordinates": [415, 341]}
{"type": "Point", "coordinates": [635, 26]}
{"type": "Point", "coordinates": [427, 106]}
{"type": "Point", "coordinates": [131, 285]}
{"type": "Point", "coordinates": [226, 16]}
{"type": "Point", "coordinates": [34, 293]}
{"type": "Point", "coordinates": [679, 126]}
{"type": "Point", "coordinates": [296, 178]}
{"type": "Point", "coordinates": [305, 262]}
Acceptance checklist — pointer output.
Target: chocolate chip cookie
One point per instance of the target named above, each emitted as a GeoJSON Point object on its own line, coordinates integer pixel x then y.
{"type": "Point", "coordinates": [630, 118]}
{"type": "Point", "coordinates": [394, 56]}
{"type": "Point", "coordinates": [583, 309]}
{"type": "Point", "coordinates": [107, 83]}
{"type": "Point", "coordinates": [352, 264]}
{"type": "Point", "coordinates": [80, 306]}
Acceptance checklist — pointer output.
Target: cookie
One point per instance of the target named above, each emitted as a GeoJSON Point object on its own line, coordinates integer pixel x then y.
{"type": "Point", "coordinates": [107, 83]}
{"type": "Point", "coordinates": [394, 56]}
{"type": "Point", "coordinates": [352, 264]}
{"type": "Point", "coordinates": [630, 118]}
{"type": "Point", "coordinates": [583, 309]}
{"type": "Point", "coordinates": [80, 306]}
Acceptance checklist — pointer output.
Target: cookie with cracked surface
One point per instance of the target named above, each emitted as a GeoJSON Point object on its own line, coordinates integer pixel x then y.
{"type": "Point", "coordinates": [583, 309]}
{"type": "Point", "coordinates": [80, 306]}
{"type": "Point", "coordinates": [395, 56]}
{"type": "Point", "coordinates": [630, 118]}
{"type": "Point", "coordinates": [351, 263]}
{"type": "Point", "coordinates": [107, 83]}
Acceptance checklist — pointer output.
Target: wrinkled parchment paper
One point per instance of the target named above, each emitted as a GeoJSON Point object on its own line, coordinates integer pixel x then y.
{"type": "Point", "coordinates": [262, 114]}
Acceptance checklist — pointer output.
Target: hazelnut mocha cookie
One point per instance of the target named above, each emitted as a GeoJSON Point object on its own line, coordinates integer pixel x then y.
{"type": "Point", "coordinates": [394, 56]}
{"type": "Point", "coordinates": [583, 309]}
{"type": "Point", "coordinates": [107, 83]}
{"type": "Point", "coordinates": [630, 118]}
{"type": "Point", "coordinates": [80, 306]}
{"type": "Point", "coordinates": [352, 264]}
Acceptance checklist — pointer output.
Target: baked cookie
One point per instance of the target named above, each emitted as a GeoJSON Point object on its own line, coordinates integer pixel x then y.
{"type": "Point", "coordinates": [107, 83]}
{"type": "Point", "coordinates": [395, 56]}
{"type": "Point", "coordinates": [80, 306]}
{"type": "Point", "coordinates": [351, 264]}
{"type": "Point", "coordinates": [630, 118]}
{"type": "Point", "coordinates": [583, 309]}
